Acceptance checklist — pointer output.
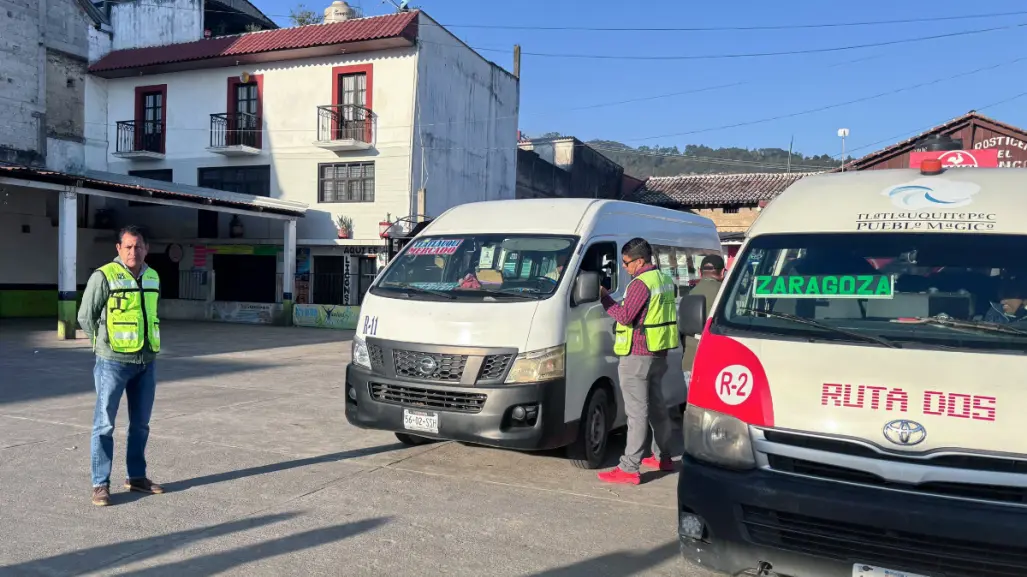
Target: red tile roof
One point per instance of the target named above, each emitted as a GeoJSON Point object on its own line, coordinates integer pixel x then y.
{"type": "Point", "coordinates": [714, 189]}
{"type": "Point", "coordinates": [356, 30]}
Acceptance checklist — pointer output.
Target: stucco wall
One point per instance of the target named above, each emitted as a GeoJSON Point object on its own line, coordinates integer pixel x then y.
{"type": "Point", "coordinates": [465, 138]}
{"type": "Point", "coordinates": [148, 23]}
{"type": "Point", "coordinates": [292, 91]}
{"type": "Point", "coordinates": [22, 80]}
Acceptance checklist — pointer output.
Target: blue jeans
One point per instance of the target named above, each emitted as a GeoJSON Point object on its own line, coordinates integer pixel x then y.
{"type": "Point", "coordinates": [138, 382]}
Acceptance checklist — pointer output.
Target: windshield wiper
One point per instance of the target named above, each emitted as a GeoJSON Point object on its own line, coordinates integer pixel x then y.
{"type": "Point", "coordinates": [413, 289]}
{"type": "Point", "coordinates": [810, 322]}
{"type": "Point", "coordinates": [494, 292]}
{"type": "Point", "coordinates": [959, 324]}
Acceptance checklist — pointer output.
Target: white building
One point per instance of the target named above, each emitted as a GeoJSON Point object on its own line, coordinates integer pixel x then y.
{"type": "Point", "coordinates": [370, 119]}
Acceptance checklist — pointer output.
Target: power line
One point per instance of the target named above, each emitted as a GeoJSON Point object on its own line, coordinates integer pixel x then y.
{"type": "Point", "coordinates": [837, 104]}
{"type": "Point", "coordinates": [736, 28]}
{"type": "Point", "coordinates": [757, 54]}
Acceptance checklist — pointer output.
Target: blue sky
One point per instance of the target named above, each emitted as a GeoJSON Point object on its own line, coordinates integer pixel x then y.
{"type": "Point", "coordinates": [554, 90]}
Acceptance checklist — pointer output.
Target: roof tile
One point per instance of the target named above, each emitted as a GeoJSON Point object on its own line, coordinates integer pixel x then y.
{"type": "Point", "coordinates": [355, 30]}
{"type": "Point", "coordinates": [714, 189]}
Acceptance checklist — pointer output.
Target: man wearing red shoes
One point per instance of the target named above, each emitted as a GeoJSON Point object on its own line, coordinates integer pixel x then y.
{"type": "Point", "coordinates": [646, 329]}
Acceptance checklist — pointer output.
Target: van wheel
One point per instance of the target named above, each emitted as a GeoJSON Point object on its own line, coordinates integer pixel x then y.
{"type": "Point", "coordinates": [413, 440]}
{"type": "Point", "coordinates": [589, 450]}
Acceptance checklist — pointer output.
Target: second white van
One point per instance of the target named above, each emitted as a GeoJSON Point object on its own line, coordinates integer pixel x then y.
{"type": "Point", "coordinates": [487, 327]}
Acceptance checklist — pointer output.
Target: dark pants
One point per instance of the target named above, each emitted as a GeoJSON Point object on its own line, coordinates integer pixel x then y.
{"type": "Point", "coordinates": [138, 383]}
{"type": "Point", "coordinates": [641, 384]}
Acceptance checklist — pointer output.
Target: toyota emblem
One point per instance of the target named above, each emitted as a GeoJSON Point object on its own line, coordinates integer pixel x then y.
{"type": "Point", "coordinates": [427, 365]}
{"type": "Point", "coordinates": [906, 433]}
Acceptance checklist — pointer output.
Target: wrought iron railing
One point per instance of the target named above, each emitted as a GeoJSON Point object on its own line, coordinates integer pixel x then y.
{"type": "Point", "coordinates": [345, 122]}
{"type": "Point", "coordinates": [235, 129]}
{"type": "Point", "coordinates": [144, 136]}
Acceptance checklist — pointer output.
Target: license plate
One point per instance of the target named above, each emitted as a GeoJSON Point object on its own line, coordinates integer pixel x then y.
{"type": "Point", "coordinates": [423, 421]}
{"type": "Point", "coordinates": [864, 570]}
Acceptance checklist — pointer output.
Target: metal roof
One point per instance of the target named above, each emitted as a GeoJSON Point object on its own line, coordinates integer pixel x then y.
{"type": "Point", "coordinates": [714, 189]}
{"type": "Point", "coordinates": [300, 37]}
{"type": "Point", "coordinates": [146, 188]}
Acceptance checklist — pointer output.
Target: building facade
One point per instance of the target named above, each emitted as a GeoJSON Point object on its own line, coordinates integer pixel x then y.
{"type": "Point", "coordinates": [345, 124]}
{"type": "Point", "coordinates": [364, 120]}
{"type": "Point", "coordinates": [565, 167]}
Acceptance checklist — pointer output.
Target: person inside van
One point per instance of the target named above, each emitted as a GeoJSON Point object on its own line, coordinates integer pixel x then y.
{"type": "Point", "coordinates": [646, 329]}
{"type": "Point", "coordinates": [1012, 305]}
{"type": "Point", "coordinates": [712, 276]}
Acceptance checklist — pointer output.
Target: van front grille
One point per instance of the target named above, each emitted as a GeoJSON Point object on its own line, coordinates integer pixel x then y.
{"type": "Point", "coordinates": [463, 402]}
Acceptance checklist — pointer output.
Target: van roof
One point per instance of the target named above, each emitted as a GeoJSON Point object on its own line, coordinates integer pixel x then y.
{"type": "Point", "coordinates": [548, 216]}
{"type": "Point", "coordinates": [970, 200]}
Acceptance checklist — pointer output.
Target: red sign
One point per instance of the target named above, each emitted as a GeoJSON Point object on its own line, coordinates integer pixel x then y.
{"type": "Point", "coordinates": [984, 158]}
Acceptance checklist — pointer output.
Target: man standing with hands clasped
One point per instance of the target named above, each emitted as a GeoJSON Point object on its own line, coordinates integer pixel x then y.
{"type": "Point", "coordinates": [119, 314]}
{"type": "Point", "coordinates": [646, 329]}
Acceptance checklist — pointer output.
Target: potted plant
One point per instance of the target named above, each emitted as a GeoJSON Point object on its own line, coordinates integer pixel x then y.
{"type": "Point", "coordinates": [345, 225]}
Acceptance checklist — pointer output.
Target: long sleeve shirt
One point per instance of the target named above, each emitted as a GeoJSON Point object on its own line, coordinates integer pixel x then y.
{"type": "Point", "coordinates": [632, 311]}
{"type": "Point", "coordinates": [92, 317]}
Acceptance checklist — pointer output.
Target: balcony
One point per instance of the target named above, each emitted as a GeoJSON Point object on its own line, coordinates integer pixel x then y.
{"type": "Point", "coordinates": [345, 127]}
{"type": "Point", "coordinates": [236, 134]}
{"type": "Point", "coordinates": [142, 140]}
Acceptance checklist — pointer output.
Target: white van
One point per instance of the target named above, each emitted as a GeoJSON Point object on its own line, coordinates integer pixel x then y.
{"type": "Point", "coordinates": [487, 327]}
{"type": "Point", "coordinates": [857, 400]}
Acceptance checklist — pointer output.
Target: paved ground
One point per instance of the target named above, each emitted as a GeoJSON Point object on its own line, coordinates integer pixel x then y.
{"type": "Point", "coordinates": [266, 477]}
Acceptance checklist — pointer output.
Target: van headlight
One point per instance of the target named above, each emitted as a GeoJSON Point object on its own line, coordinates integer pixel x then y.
{"type": "Point", "coordinates": [718, 439]}
{"type": "Point", "coordinates": [360, 357]}
{"type": "Point", "coordinates": [537, 366]}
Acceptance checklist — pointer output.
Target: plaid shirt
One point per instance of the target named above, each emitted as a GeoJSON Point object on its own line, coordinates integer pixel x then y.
{"type": "Point", "coordinates": [632, 312]}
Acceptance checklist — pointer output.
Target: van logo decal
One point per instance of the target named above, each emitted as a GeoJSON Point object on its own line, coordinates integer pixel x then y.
{"type": "Point", "coordinates": [932, 192]}
{"type": "Point", "coordinates": [906, 433]}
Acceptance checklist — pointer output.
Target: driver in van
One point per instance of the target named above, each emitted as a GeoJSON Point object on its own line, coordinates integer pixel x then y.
{"type": "Point", "coordinates": [1012, 305]}
{"type": "Point", "coordinates": [646, 330]}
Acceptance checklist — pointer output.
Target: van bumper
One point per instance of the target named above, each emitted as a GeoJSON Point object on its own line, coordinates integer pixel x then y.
{"type": "Point", "coordinates": [494, 425]}
{"type": "Point", "coordinates": [811, 528]}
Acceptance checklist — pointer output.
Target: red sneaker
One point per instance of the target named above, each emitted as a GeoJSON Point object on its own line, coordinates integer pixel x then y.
{"type": "Point", "coordinates": [620, 477]}
{"type": "Point", "coordinates": [665, 464]}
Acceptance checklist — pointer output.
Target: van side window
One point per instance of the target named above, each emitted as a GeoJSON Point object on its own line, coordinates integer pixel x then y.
{"type": "Point", "coordinates": [666, 260]}
{"type": "Point", "coordinates": [601, 257]}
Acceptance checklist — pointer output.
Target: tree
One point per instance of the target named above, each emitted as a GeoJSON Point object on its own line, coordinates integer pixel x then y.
{"type": "Point", "coordinates": [301, 16]}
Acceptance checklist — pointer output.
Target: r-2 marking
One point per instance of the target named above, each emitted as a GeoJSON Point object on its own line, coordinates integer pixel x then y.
{"type": "Point", "coordinates": [734, 384]}
{"type": "Point", "coordinates": [370, 325]}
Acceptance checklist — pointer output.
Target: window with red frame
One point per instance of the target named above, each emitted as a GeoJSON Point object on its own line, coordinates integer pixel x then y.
{"type": "Point", "coordinates": [151, 118]}
{"type": "Point", "coordinates": [352, 100]}
{"type": "Point", "coordinates": [244, 112]}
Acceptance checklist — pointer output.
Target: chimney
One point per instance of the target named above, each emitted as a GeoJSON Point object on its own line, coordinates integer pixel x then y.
{"type": "Point", "coordinates": [339, 11]}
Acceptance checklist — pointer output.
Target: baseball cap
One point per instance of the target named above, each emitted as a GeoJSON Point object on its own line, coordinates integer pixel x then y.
{"type": "Point", "coordinates": [713, 262]}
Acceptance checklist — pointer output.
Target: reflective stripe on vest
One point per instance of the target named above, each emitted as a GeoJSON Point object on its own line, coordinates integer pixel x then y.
{"type": "Point", "coordinates": [661, 318]}
{"type": "Point", "coordinates": [131, 309]}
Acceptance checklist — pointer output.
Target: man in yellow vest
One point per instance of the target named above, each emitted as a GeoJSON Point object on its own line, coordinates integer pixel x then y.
{"type": "Point", "coordinates": [646, 329]}
{"type": "Point", "coordinates": [119, 314]}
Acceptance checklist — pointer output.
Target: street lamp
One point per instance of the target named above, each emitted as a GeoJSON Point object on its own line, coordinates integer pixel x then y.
{"type": "Point", "coordinates": [843, 133]}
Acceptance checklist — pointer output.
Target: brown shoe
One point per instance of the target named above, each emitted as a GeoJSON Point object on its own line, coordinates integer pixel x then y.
{"type": "Point", "coordinates": [102, 496]}
{"type": "Point", "coordinates": [144, 485]}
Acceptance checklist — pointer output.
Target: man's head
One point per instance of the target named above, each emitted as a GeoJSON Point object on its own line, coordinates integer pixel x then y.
{"type": "Point", "coordinates": [712, 267]}
{"type": "Point", "coordinates": [1013, 294]}
{"type": "Point", "coordinates": [132, 247]}
{"type": "Point", "coordinates": [636, 254]}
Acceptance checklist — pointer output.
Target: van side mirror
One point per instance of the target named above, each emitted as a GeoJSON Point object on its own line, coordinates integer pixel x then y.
{"type": "Point", "coordinates": [692, 315]}
{"type": "Point", "coordinates": [586, 288]}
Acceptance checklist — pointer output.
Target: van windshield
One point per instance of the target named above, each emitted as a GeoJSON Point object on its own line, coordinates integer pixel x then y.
{"type": "Point", "coordinates": [903, 290]}
{"type": "Point", "coordinates": [479, 267]}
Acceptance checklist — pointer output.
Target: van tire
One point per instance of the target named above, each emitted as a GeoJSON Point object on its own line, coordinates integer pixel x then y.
{"type": "Point", "coordinates": [413, 440]}
{"type": "Point", "coordinates": [589, 450]}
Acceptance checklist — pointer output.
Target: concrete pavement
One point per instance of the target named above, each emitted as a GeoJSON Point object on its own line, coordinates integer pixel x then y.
{"type": "Point", "coordinates": [265, 477]}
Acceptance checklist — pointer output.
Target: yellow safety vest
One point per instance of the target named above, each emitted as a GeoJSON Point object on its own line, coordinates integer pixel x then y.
{"type": "Point", "coordinates": [132, 309]}
{"type": "Point", "coordinates": [661, 318]}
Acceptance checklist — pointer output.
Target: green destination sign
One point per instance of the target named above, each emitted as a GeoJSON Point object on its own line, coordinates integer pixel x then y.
{"type": "Point", "coordinates": [856, 286]}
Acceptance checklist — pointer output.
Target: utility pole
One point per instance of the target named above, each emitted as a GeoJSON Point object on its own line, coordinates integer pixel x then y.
{"type": "Point", "coordinates": [790, 143]}
{"type": "Point", "coordinates": [843, 133]}
{"type": "Point", "coordinates": [517, 61]}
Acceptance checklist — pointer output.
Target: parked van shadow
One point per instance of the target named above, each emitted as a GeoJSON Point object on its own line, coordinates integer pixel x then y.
{"type": "Point", "coordinates": [115, 554]}
{"type": "Point", "coordinates": [615, 564]}
{"type": "Point", "coordinates": [216, 563]}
